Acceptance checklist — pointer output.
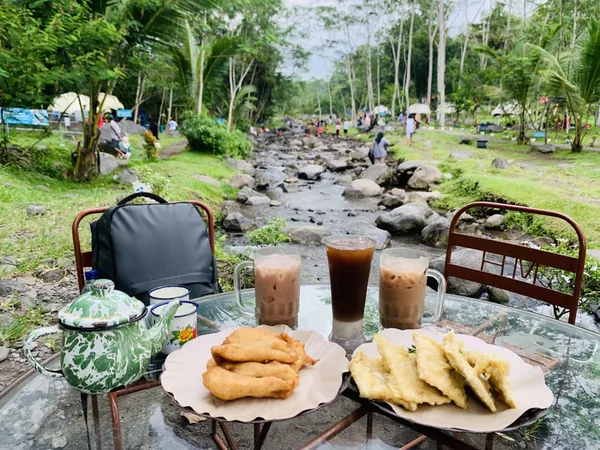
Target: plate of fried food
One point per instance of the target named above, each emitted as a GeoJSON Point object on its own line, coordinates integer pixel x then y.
{"type": "Point", "coordinates": [449, 381]}
{"type": "Point", "coordinates": [249, 374]}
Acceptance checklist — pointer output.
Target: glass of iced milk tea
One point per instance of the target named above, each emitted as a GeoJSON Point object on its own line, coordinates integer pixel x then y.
{"type": "Point", "coordinates": [276, 284]}
{"type": "Point", "coordinates": [349, 260]}
{"type": "Point", "coordinates": [403, 286]}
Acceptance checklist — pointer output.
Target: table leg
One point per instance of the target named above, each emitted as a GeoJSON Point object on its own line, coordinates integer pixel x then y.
{"type": "Point", "coordinates": [264, 430]}
{"type": "Point", "coordinates": [336, 429]}
{"type": "Point", "coordinates": [413, 444]}
{"type": "Point", "coordinates": [489, 441]}
{"type": "Point", "coordinates": [215, 437]}
{"type": "Point", "coordinates": [228, 437]}
{"type": "Point", "coordinates": [96, 417]}
{"type": "Point", "coordinates": [369, 427]}
{"type": "Point", "coordinates": [116, 420]}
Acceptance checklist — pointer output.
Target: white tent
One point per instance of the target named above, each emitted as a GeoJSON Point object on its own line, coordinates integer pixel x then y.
{"type": "Point", "coordinates": [68, 103]}
{"type": "Point", "coordinates": [418, 108]}
{"type": "Point", "coordinates": [380, 110]}
{"type": "Point", "coordinates": [111, 102]}
{"type": "Point", "coordinates": [447, 108]}
{"type": "Point", "coordinates": [508, 109]}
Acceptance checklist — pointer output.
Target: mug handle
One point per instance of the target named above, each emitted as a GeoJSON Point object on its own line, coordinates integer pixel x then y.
{"type": "Point", "coordinates": [441, 295]}
{"type": "Point", "coordinates": [37, 365]}
{"type": "Point", "coordinates": [237, 285]}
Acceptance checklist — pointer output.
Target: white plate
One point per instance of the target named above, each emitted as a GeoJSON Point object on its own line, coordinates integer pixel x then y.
{"type": "Point", "coordinates": [527, 381]}
{"type": "Point", "coordinates": [182, 377]}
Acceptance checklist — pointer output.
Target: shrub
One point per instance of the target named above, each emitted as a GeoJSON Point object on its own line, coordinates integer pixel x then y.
{"type": "Point", "coordinates": [158, 182]}
{"type": "Point", "coordinates": [271, 234]}
{"type": "Point", "coordinates": [149, 142]}
{"type": "Point", "coordinates": [205, 135]}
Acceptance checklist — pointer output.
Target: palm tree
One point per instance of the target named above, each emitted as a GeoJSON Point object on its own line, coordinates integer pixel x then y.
{"type": "Point", "coordinates": [243, 103]}
{"type": "Point", "coordinates": [575, 76]}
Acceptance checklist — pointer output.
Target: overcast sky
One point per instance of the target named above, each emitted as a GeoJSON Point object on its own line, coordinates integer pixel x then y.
{"type": "Point", "coordinates": [321, 61]}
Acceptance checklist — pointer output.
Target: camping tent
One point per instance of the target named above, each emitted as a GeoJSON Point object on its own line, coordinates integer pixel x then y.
{"type": "Point", "coordinates": [508, 109]}
{"type": "Point", "coordinates": [111, 102]}
{"type": "Point", "coordinates": [418, 108]}
{"type": "Point", "coordinates": [447, 108]}
{"type": "Point", "coordinates": [68, 103]}
{"type": "Point", "coordinates": [380, 110]}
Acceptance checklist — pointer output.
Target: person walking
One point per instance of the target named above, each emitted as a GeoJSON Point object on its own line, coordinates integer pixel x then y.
{"type": "Point", "coordinates": [378, 150]}
{"type": "Point", "coordinates": [337, 128]}
{"type": "Point", "coordinates": [346, 127]}
{"type": "Point", "coordinates": [410, 128]}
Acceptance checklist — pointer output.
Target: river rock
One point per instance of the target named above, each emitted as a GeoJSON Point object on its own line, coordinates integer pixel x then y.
{"type": "Point", "coordinates": [241, 180]}
{"type": "Point", "coordinates": [237, 222]}
{"type": "Point", "coordinates": [362, 188]}
{"type": "Point", "coordinates": [107, 163]}
{"type": "Point", "coordinates": [308, 234]}
{"type": "Point", "coordinates": [311, 172]}
{"type": "Point", "coordinates": [128, 177]}
{"type": "Point", "coordinates": [495, 222]}
{"type": "Point", "coordinates": [245, 193]}
{"type": "Point", "coordinates": [391, 201]}
{"type": "Point", "coordinates": [275, 203]}
{"type": "Point", "coordinates": [311, 141]}
{"type": "Point", "coordinates": [257, 200]}
{"type": "Point", "coordinates": [405, 219]}
{"type": "Point", "coordinates": [379, 173]}
{"type": "Point", "coordinates": [461, 154]}
{"type": "Point", "coordinates": [493, 128]}
{"type": "Point", "coordinates": [465, 257]}
{"type": "Point", "coordinates": [6, 269]}
{"type": "Point", "coordinates": [228, 207]}
{"type": "Point", "coordinates": [3, 353]}
{"type": "Point", "coordinates": [422, 196]}
{"type": "Point", "coordinates": [363, 228]}
{"type": "Point", "coordinates": [207, 179]}
{"type": "Point", "coordinates": [290, 188]}
{"type": "Point", "coordinates": [35, 210]}
{"type": "Point", "coordinates": [53, 275]}
{"type": "Point", "coordinates": [344, 180]}
{"type": "Point", "coordinates": [500, 163]}
{"type": "Point", "coordinates": [336, 165]}
{"type": "Point", "coordinates": [542, 241]}
{"type": "Point", "coordinates": [261, 181]}
{"type": "Point", "coordinates": [547, 148]}
{"type": "Point", "coordinates": [436, 233]}
{"type": "Point", "coordinates": [497, 295]}
{"type": "Point", "coordinates": [408, 167]}
{"type": "Point", "coordinates": [241, 165]}
{"type": "Point", "coordinates": [28, 299]}
{"type": "Point", "coordinates": [13, 286]}
{"type": "Point", "coordinates": [296, 143]}
{"type": "Point", "coordinates": [397, 192]}
{"type": "Point", "coordinates": [424, 177]}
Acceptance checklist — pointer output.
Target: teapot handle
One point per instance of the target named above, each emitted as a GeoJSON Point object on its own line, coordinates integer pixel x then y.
{"type": "Point", "coordinates": [37, 365]}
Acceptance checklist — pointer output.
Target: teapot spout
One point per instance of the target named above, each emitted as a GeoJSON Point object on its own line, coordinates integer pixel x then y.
{"type": "Point", "coordinates": [159, 332]}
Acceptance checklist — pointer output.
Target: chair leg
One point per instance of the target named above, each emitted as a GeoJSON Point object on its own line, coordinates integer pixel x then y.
{"type": "Point", "coordinates": [227, 433]}
{"type": "Point", "coordinates": [489, 441]}
{"type": "Point", "coordinates": [116, 420]}
{"type": "Point", "coordinates": [96, 417]}
{"type": "Point", "coordinates": [259, 439]}
{"type": "Point", "coordinates": [215, 436]}
{"type": "Point", "coordinates": [369, 427]}
{"type": "Point", "coordinates": [413, 444]}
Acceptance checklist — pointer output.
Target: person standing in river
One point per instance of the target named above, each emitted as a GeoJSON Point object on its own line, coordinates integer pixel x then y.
{"type": "Point", "coordinates": [378, 150]}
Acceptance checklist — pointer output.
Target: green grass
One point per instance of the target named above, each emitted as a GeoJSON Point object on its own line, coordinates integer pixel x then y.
{"type": "Point", "coordinates": [573, 189]}
{"type": "Point", "coordinates": [22, 324]}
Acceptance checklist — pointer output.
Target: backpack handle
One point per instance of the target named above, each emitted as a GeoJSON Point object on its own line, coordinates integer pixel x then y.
{"type": "Point", "coordinates": [142, 194]}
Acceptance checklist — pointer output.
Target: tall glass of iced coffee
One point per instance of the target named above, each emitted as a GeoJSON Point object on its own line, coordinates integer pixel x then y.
{"type": "Point", "coordinates": [276, 285]}
{"type": "Point", "coordinates": [349, 260]}
{"type": "Point", "coordinates": [403, 286]}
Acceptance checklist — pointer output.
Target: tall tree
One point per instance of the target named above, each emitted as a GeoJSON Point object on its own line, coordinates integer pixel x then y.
{"type": "Point", "coordinates": [441, 57]}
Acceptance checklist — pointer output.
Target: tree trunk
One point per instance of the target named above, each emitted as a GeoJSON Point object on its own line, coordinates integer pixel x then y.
{"type": "Point", "coordinates": [522, 125]}
{"type": "Point", "coordinates": [319, 102]}
{"type": "Point", "coordinates": [139, 93]}
{"type": "Point", "coordinates": [577, 143]}
{"type": "Point", "coordinates": [343, 104]}
{"type": "Point", "coordinates": [396, 55]}
{"type": "Point", "coordinates": [463, 53]}
{"type": "Point", "coordinates": [486, 37]}
{"type": "Point", "coordinates": [574, 24]}
{"type": "Point", "coordinates": [330, 100]}
{"type": "Point", "coordinates": [431, 32]}
{"type": "Point", "coordinates": [170, 104]}
{"type": "Point", "coordinates": [369, 67]}
{"type": "Point", "coordinates": [201, 69]}
{"type": "Point", "coordinates": [351, 83]}
{"type": "Point", "coordinates": [508, 26]}
{"type": "Point", "coordinates": [409, 57]}
{"type": "Point", "coordinates": [441, 63]}
{"type": "Point", "coordinates": [378, 81]}
{"type": "Point", "coordinates": [162, 103]}
{"type": "Point", "coordinates": [232, 92]}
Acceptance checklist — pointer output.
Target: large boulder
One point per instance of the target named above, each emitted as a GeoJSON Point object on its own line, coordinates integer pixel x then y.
{"type": "Point", "coordinates": [258, 200]}
{"type": "Point", "coordinates": [405, 219]}
{"type": "Point", "coordinates": [228, 207]}
{"type": "Point", "coordinates": [461, 154]}
{"type": "Point", "coordinates": [421, 197]}
{"type": "Point", "coordinates": [296, 143]}
{"type": "Point", "coordinates": [408, 167]}
{"type": "Point", "coordinates": [363, 228]}
{"type": "Point", "coordinates": [337, 165]}
{"type": "Point", "coordinates": [465, 257]}
{"type": "Point", "coordinates": [344, 180]}
{"type": "Point", "coordinates": [237, 222]}
{"type": "Point", "coordinates": [245, 193]}
{"type": "Point", "coordinates": [128, 177]}
{"type": "Point", "coordinates": [108, 163]}
{"type": "Point", "coordinates": [391, 201]}
{"type": "Point", "coordinates": [495, 222]}
{"type": "Point", "coordinates": [500, 163]}
{"type": "Point", "coordinates": [362, 188]}
{"type": "Point", "coordinates": [243, 166]}
{"type": "Point", "coordinates": [379, 173]}
{"type": "Point", "coordinates": [311, 172]}
{"type": "Point", "coordinates": [311, 141]}
{"type": "Point", "coordinates": [241, 180]}
{"type": "Point", "coordinates": [436, 233]}
{"type": "Point", "coordinates": [424, 177]}
{"type": "Point", "coordinates": [290, 188]}
{"type": "Point", "coordinates": [493, 128]}
{"type": "Point", "coordinates": [308, 234]}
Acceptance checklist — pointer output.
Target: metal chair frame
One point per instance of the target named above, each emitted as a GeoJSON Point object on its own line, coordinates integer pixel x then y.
{"type": "Point", "coordinates": [84, 259]}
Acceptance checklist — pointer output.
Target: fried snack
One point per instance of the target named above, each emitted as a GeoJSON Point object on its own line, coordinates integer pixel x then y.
{"type": "Point", "coordinates": [373, 382]}
{"type": "Point", "coordinates": [299, 348]}
{"type": "Point", "coordinates": [496, 371]}
{"type": "Point", "coordinates": [257, 336]}
{"type": "Point", "coordinates": [481, 388]}
{"type": "Point", "coordinates": [404, 377]}
{"type": "Point", "coordinates": [252, 353]}
{"type": "Point", "coordinates": [434, 369]}
{"type": "Point", "coordinates": [227, 385]}
{"type": "Point", "coordinates": [273, 369]}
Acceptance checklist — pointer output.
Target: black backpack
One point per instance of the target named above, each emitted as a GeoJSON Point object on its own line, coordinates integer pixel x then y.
{"type": "Point", "coordinates": [143, 246]}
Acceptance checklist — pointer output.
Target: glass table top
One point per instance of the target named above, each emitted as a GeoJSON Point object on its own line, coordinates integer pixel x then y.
{"type": "Point", "coordinates": [39, 412]}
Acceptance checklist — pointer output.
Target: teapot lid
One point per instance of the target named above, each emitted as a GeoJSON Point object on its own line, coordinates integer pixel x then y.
{"type": "Point", "coordinates": [102, 307]}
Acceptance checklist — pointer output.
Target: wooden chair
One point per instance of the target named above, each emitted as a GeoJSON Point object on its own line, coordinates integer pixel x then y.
{"type": "Point", "coordinates": [83, 260]}
{"type": "Point", "coordinates": [524, 277]}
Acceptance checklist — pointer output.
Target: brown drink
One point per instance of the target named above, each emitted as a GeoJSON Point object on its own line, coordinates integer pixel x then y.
{"type": "Point", "coordinates": [349, 267]}
{"type": "Point", "coordinates": [403, 287]}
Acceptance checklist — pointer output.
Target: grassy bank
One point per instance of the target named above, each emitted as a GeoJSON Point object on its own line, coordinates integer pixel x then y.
{"type": "Point", "coordinates": [563, 181]}
{"type": "Point", "coordinates": [32, 239]}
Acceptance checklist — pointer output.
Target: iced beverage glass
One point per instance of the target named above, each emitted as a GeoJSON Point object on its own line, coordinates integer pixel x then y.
{"type": "Point", "coordinates": [349, 260]}
{"type": "Point", "coordinates": [276, 285]}
{"type": "Point", "coordinates": [403, 286]}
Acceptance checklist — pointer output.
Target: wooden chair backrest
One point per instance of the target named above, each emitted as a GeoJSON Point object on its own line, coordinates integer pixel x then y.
{"type": "Point", "coordinates": [84, 259]}
{"type": "Point", "coordinates": [527, 283]}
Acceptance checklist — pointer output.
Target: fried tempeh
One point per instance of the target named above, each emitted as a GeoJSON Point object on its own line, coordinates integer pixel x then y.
{"type": "Point", "coordinates": [404, 380]}
{"type": "Point", "coordinates": [481, 388]}
{"type": "Point", "coordinates": [252, 353]}
{"type": "Point", "coordinates": [254, 369]}
{"type": "Point", "coordinates": [228, 385]}
{"type": "Point", "coordinates": [434, 368]}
